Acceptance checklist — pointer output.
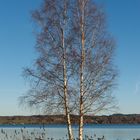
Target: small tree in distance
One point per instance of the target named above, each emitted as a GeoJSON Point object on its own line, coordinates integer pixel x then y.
{"type": "Point", "coordinates": [74, 73]}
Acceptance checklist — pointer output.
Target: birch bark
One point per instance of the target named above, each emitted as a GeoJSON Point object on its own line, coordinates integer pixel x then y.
{"type": "Point", "coordinates": [66, 104]}
{"type": "Point", "coordinates": [81, 113]}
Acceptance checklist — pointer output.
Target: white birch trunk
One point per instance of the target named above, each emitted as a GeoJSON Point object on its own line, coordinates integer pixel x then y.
{"type": "Point", "coordinates": [69, 127]}
{"type": "Point", "coordinates": [81, 113]}
{"type": "Point", "coordinates": [66, 105]}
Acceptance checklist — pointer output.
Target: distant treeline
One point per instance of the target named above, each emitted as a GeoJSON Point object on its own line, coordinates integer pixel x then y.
{"type": "Point", "coordinates": [60, 119]}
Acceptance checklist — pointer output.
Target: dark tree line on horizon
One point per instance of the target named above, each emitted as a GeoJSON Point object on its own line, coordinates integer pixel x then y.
{"type": "Point", "coordinates": [74, 71]}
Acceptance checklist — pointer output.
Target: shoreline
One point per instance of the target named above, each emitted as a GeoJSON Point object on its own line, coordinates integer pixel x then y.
{"type": "Point", "coordinates": [60, 119]}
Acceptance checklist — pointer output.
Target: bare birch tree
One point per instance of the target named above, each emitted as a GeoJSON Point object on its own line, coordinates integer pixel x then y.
{"type": "Point", "coordinates": [49, 76]}
{"type": "Point", "coordinates": [95, 48]}
{"type": "Point", "coordinates": [74, 72]}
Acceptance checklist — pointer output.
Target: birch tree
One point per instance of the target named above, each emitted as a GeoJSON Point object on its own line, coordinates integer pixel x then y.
{"type": "Point", "coordinates": [50, 90]}
{"type": "Point", "coordinates": [95, 48]}
{"type": "Point", "coordinates": [74, 72]}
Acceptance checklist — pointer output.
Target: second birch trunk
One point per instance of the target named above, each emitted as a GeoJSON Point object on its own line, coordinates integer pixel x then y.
{"type": "Point", "coordinates": [69, 127]}
{"type": "Point", "coordinates": [81, 113]}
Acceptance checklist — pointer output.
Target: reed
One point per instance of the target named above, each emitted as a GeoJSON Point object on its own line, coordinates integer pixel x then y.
{"type": "Point", "coordinates": [34, 134]}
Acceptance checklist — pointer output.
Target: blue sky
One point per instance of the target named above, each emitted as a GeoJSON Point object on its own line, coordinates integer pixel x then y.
{"type": "Point", "coordinates": [17, 51]}
{"type": "Point", "coordinates": [123, 21]}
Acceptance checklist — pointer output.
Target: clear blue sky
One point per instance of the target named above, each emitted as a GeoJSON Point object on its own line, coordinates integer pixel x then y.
{"type": "Point", "coordinates": [17, 51]}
